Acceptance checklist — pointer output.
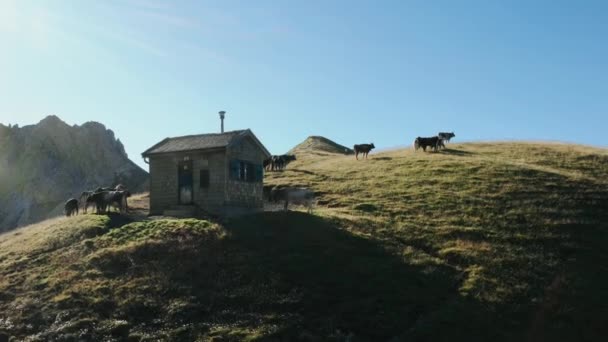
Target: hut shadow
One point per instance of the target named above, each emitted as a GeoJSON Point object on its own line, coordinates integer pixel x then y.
{"type": "Point", "coordinates": [327, 281]}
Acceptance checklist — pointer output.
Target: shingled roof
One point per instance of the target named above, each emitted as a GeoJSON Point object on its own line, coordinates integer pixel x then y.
{"type": "Point", "coordinates": [200, 142]}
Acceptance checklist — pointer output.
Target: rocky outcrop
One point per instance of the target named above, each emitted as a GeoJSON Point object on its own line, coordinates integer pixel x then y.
{"type": "Point", "coordinates": [43, 165]}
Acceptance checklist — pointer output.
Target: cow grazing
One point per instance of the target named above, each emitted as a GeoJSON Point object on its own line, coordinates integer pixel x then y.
{"type": "Point", "coordinates": [70, 207]}
{"type": "Point", "coordinates": [432, 142]}
{"type": "Point", "coordinates": [299, 196]}
{"type": "Point", "coordinates": [363, 149]}
{"type": "Point", "coordinates": [446, 136]}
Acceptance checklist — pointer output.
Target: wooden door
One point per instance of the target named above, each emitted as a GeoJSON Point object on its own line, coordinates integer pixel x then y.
{"type": "Point", "coordinates": [185, 181]}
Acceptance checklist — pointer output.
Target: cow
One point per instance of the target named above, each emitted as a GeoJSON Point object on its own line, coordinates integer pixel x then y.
{"type": "Point", "coordinates": [363, 149]}
{"type": "Point", "coordinates": [105, 199]}
{"type": "Point", "coordinates": [118, 200]}
{"type": "Point", "coordinates": [97, 199]}
{"type": "Point", "coordinates": [286, 159]}
{"type": "Point", "coordinates": [278, 163]}
{"type": "Point", "coordinates": [70, 207]}
{"type": "Point", "coordinates": [446, 136]}
{"type": "Point", "coordinates": [91, 200]}
{"type": "Point", "coordinates": [268, 163]}
{"type": "Point", "coordinates": [440, 144]}
{"type": "Point", "coordinates": [432, 142]}
{"type": "Point", "coordinates": [83, 199]}
{"type": "Point", "coordinates": [300, 196]}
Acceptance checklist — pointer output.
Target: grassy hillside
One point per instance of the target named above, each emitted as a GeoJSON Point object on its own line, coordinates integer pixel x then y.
{"type": "Point", "coordinates": [479, 242]}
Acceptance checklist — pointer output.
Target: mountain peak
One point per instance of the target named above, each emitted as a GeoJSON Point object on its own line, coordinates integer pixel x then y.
{"type": "Point", "coordinates": [52, 121]}
{"type": "Point", "coordinates": [322, 144]}
{"type": "Point", "coordinates": [52, 161]}
{"type": "Point", "coordinates": [94, 125]}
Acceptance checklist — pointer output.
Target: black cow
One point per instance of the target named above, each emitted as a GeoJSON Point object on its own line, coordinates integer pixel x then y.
{"type": "Point", "coordinates": [363, 149]}
{"type": "Point", "coordinates": [97, 199]}
{"type": "Point", "coordinates": [286, 159]}
{"type": "Point", "coordinates": [268, 163]}
{"type": "Point", "coordinates": [279, 163]}
{"type": "Point", "coordinates": [440, 144]}
{"type": "Point", "coordinates": [70, 207]}
{"type": "Point", "coordinates": [432, 142]}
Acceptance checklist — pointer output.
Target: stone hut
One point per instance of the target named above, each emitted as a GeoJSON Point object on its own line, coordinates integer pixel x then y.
{"type": "Point", "coordinates": [220, 174]}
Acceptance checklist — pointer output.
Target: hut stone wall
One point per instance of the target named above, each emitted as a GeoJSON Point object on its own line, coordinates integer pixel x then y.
{"type": "Point", "coordinates": [164, 182]}
{"type": "Point", "coordinates": [242, 194]}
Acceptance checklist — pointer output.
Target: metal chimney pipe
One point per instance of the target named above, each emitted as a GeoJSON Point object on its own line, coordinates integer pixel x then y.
{"type": "Point", "coordinates": [222, 115]}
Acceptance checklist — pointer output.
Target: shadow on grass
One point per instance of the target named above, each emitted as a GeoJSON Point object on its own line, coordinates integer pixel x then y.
{"type": "Point", "coordinates": [118, 220]}
{"type": "Point", "coordinates": [303, 171]}
{"type": "Point", "coordinates": [326, 281]}
{"type": "Point", "coordinates": [453, 152]}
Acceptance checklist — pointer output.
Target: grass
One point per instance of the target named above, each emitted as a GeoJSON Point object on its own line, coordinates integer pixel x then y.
{"type": "Point", "coordinates": [496, 241]}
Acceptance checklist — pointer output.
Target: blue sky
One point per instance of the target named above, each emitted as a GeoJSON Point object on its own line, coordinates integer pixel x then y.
{"type": "Point", "coordinates": [353, 71]}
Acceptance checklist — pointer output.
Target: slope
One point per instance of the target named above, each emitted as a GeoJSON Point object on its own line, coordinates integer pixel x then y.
{"type": "Point", "coordinates": [479, 242]}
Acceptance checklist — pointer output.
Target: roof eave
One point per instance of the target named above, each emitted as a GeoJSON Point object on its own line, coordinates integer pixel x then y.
{"type": "Point", "coordinates": [212, 149]}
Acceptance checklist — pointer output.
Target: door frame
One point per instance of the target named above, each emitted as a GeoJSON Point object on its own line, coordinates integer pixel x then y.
{"type": "Point", "coordinates": [180, 169]}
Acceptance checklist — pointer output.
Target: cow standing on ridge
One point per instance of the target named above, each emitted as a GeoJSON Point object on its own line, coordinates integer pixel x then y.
{"type": "Point", "coordinates": [446, 136]}
{"type": "Point", "coordinates": [432, 142]}
{"type": "Point", "coordinates": [363, 149]}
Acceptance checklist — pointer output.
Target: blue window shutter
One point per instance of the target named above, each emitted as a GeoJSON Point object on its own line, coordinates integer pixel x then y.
{"type": "Point", "coordinates": [234, 169]}
{"type": "Point", "coordinates": [259, 173]}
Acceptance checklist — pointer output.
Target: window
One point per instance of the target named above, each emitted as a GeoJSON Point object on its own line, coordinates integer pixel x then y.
{"type": "Point", "coordinates": [242, 170]}
{"type": "Point", "coordinates": [204, 179]}
{"type": "Point", "coordinates": [246, 171]}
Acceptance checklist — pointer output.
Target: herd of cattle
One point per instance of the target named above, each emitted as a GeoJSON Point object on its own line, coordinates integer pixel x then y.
{"type": "Point", "coordinates": [306, 197]}
{"type": "Point", "coordinates": [278, 163]}
{"type": "Point", "coordinates": [104, 199]}
{"type": "Point", "coordinates": [101, 199]}
{"type": "Point", "coordinates": [435, 142]}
